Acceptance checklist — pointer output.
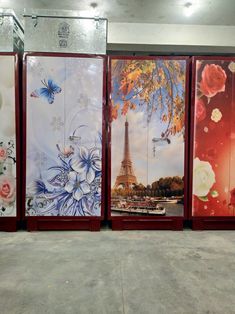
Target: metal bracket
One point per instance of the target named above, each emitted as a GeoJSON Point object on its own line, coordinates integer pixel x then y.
{"type": "Point", "coordinates": [1, 19]}
{"type": "Point", "coordinates": [35, 20]}
{"type": "Point", "coordinates": [97, 21]}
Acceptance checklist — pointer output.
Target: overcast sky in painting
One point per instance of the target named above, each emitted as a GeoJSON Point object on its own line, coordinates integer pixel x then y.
{"type": "Point", "coordinates": [168, 159]}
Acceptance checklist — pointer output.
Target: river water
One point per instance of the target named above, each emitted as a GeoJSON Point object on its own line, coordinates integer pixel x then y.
{"type": "Point", "coordinates": [171, 210]}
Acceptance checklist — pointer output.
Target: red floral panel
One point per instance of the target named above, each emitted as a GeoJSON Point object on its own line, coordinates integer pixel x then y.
{"type": "Point", "coordinates": [214, 139]}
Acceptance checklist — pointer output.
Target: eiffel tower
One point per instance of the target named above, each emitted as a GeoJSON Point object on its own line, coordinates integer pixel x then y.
{"type": "Point", "coordinates": [126, 177]}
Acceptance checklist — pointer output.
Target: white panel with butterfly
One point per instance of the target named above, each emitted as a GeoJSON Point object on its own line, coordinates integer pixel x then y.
{"type": "Point", "coordinates": [64, 135]}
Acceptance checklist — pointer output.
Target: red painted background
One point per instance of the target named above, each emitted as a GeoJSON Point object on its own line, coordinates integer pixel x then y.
{"type": "Point", "coordinates": [214, 141]}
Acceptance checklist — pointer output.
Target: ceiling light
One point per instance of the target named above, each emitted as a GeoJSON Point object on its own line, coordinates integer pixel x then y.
{"type": "Point", "coordinates": [188, 9]}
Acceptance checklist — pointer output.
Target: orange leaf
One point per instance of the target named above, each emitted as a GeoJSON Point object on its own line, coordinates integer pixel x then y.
{"type": "Point", "coordinates": [134, 75]}
{"type": "Point", "coordinates": [126, 86]}
{"type": "Point", "coordinates": [133, 106]}
{"type": "Point", "coordinates": [125, 107]}
{"type": "Point", "coordinates": [164, 118]}
{"type": "Point", "coordinates": [114, 113]}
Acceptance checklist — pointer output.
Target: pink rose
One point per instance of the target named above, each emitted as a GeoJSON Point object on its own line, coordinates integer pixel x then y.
{"type": "Point", "coordinates": [200, 110]}
{"type": "Point", "coordinates": [7, 189]}
{"type": "Point", "coordinates": [3, 154]}
{"type": "Point", "coordinates": [213, 80]}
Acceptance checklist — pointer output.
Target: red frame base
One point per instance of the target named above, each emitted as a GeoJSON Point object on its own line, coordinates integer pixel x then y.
{"type": "Point", "coordinates": [170, 223]}
{"type": "Point", "coordinates": [213, 223]}
{"type": "Point", "coordinates": [8, 224]}
{"type": "Point", "coordinates": [66, 223]}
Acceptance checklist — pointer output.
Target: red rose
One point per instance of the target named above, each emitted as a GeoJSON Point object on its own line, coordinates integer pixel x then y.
{"type": "Point", "coordinates": [213, 80]}
{"type": "Point", "coordinates": [232, 198]}
{"type": "Point", "coordinates": [200, 110]}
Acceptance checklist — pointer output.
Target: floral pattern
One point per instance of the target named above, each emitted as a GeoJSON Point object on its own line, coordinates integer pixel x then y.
{"type": "Point", "coordinates": [72, 191]}
{"type": "Point", "coordinates": [203, 178]}
{"type": "Point", "coordinates": [7, 138]}
{"type": "Point", "coordinates": [214, 140]}
{"type": "Point", "coordinates": [216, 115]}
{"type": "Point", "coordinates": [213, 80]}
{"type": "Point", "coordinates": [87, 162]}
{"type": "Point", "coordinates": [7, 190]}
{"type": "Point", "coordinates": [64, 169]}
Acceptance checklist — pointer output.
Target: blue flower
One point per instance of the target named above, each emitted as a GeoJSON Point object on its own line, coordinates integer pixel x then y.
{"type": "Point", "coordinates": [87, 162]}
{"type": "Point", "coordinates": [77, 186]}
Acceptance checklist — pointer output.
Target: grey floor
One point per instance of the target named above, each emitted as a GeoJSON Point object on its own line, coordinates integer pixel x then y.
{"type": "Point", "coordinates": [117, 272]}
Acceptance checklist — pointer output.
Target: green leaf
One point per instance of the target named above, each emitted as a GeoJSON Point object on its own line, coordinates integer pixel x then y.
{"type": "Point", "coordinates": [214, 193]}
{"type": "Point", "coordinates": [203, 198]}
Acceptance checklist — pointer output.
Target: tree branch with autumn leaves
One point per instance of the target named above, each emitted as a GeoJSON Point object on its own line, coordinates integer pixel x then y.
{"type": "Point", "coordinates": [157, 84]}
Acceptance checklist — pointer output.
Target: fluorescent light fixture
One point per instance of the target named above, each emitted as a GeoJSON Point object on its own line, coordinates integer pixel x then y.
{"type": "Point", "coordinates": [86, 13]}
{"type": "Point", "coordinates": [189, 8]}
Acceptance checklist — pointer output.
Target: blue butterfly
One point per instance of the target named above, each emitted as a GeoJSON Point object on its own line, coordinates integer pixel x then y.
{"type": "Point", "coordinates": [48, 92]}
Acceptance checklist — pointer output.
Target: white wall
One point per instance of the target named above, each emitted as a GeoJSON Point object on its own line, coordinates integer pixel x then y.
{"type": "Point", "coordinates": [172, 37]}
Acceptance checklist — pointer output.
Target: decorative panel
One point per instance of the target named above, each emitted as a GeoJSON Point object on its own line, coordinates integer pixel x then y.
{"type": "Point", "coordinates": [214, 137]}
{"type": "Point", "coordinates": [148, 126]}
{"type": "Point", "coordinates": [7, 137]}
{"type": "Point", "coordinates": [64, 105]}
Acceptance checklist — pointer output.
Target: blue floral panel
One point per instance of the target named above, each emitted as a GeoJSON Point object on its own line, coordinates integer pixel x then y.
{"type": "Point", "coordinates": [64, 136]}
{"type": "Point", "coordinates": [7, 137]}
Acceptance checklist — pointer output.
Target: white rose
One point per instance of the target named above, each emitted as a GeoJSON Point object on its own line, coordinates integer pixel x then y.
{"type": "Point", "coordinates": [231, 67]}
{"type": "Point", "coordinates": [203, 177]}
{"type": "Point", "coordinates": [216, 115]}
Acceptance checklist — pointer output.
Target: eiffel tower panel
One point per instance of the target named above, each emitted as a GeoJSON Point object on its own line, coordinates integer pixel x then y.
{"type": "Point", "coordinates": [148, 128]}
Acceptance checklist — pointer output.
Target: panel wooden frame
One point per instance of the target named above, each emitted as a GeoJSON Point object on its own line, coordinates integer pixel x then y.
{"type": "Point", "coordinates": [91, 223]}
{"type": "Point", "coordinates": [146, 222]}
{"type": "Point", "coordinates": [11, 223]}
{"type": "Point", "coordinates": [203, 222]}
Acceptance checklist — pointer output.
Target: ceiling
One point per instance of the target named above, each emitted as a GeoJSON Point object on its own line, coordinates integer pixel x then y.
{"type": "Point", "coordinates": [203, 12]}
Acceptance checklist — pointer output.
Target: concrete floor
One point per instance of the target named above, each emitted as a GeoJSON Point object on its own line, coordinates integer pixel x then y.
{"type": "Point", "coordinates": [117, 272]}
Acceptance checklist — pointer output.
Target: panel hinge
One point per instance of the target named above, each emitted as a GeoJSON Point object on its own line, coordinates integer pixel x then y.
{"type": "Point", "coordinates": [35, 20]}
